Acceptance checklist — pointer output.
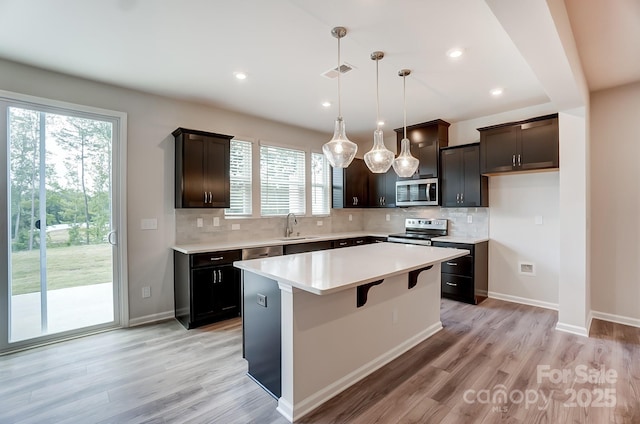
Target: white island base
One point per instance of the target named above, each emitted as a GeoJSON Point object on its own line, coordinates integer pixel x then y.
{"type": "Point", "coordinates": [327, 341]}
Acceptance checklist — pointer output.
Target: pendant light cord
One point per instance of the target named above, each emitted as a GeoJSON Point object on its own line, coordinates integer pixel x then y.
{"type": "Point", "coordinates": [377, 97]}
{"type": "Point", "coordinates": [339, 101]}
{"type": "Point", "coordinates": [404, 102]}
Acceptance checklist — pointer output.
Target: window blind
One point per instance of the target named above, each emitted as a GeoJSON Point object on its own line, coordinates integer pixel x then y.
{"type": "Point", "coordinates": [282, 181]}
{"type": "Point", "coordinates": [240, 178]}
{"type": "Point", "coordinates": [320, 184]}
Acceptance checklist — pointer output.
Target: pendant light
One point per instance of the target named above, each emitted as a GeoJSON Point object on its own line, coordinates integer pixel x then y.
{"type": "Point", "coordinates": [379, 158]}
{"type": "Point", "coordinates": [405, 165]}
{"type": "Point", "coordinates": [339, 151]}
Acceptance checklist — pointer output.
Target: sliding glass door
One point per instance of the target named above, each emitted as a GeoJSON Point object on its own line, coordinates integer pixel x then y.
{"type": "Point", "coordinates": [62, 267]}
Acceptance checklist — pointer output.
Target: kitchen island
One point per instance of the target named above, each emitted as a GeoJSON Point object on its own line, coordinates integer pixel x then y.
{"type": "Point", "coordinates": [315, 323]}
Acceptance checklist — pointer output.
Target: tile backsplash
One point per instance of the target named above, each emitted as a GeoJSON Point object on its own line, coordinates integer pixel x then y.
{"type": "Point", "coordinates": [340, 221]}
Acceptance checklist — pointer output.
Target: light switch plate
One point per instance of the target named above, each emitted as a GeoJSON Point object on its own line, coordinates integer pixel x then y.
{"type": "Point", "coordinates": [319, 223]}
{"type": "Point", "coordinates": [387, 217]}
{"type": "Point", "coordinates": [235, 226]}
{"type": "Point", "coordinates": [149, 224]}
{"type": "Point", "coordinates": [469, 219]}
{"type": "Point", "coordinates": [216, 221]}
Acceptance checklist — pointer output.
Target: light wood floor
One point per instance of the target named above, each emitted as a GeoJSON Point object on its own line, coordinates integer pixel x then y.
{"type": "Point", "coordinates": [164, 374]}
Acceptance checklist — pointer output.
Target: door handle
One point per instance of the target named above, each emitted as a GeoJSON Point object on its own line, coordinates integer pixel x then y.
{"type": "Point", "coordinates": [214, 276]}
{"type": "Point", "coordinates": [461, 197]}
{"type": "Point", "coordinates": [112, 238]}
{"type": "Point", "coordinates": [37, 224]}
{"type": "Point", "coordinates": [451, 284]}
{"type": "Point", "coordinates": [513, 160]}
{"type": "Point", "coordinates": [519, 160]}
{"type": "Point", "coordinates": [219, 276]}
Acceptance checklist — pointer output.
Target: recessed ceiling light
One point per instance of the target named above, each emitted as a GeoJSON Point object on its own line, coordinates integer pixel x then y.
{"type": "Point", "coordinates": [240, 75]}
{"type": "Point", "coordinates": [496, 92]}
{"type": "Point", "coordinates": [326, 104]}
{"type": "Point", "coordinates": [455, 53]}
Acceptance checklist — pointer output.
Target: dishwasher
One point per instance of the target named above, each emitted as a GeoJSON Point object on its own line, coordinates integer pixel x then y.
{"type": "Point", "coordinates": [261, 334]}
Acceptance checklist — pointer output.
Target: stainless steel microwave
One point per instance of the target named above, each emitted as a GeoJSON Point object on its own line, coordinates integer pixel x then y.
{"type": "Point", "coordinates": [423, 192]}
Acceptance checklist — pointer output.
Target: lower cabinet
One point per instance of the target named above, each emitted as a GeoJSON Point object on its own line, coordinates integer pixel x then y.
{"type": "Point", "coordinates": [289, 249]}
{"type": "Point", "coordinates": [357, 241]}
{"type": "Point", "coordinates": [206, 287]}
{"type": "Point", "coordinates": [467, 278]}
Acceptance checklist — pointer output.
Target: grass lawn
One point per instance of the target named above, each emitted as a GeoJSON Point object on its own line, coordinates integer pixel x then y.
{"type": "Point", "coordinates": [66, 267]}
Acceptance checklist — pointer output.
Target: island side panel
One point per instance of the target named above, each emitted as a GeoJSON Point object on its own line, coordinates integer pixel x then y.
{"type": "Point", "coordinates": [261, 330]}
{"type": "Point", "coordinates": [334, 343]}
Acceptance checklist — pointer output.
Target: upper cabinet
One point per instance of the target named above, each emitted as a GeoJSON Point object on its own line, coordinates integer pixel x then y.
{"type": "Point", "coordinates": [461, 182]}
{"type": "Point", "coordinates": [426, 141]}
{"type": "Point", "coordinates": [520, 146]}
{"type": "Point", "coordinates": [202, 169]}
{"type": "Point", "coordinates": [382, 189]}
{"type": "Point", "coordinates": [351, 185]}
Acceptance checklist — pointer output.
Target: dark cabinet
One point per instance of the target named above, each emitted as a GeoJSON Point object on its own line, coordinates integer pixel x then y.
{"type": "Point", "coordinates": [355, 241]}
{"type": "Point", "coordinates": [467, 278]}
{"type": "Point", "coordinates": [206, 287]}
{"type": "Point", "coordinates": [461, 182]}
{"type": "Point", "coordinates": [290, 249]}
{"type": "Point", "coordinates": [202, 169]}
{"type": "Point", "coordinates": [520, 146]}
{"type": "Point", "coordinates": [426, 139]}
{"type": "Point", "coordinates": [382, 189]}
{"type": "Point", "coordinates": [351, 185]}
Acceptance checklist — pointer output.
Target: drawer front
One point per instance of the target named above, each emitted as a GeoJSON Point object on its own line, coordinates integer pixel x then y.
{"type": "Point", "coordinates": [342, 243]}
{"type": "Point", "coordinates": [459, 266]}
{"type": "Point", "coordinates": [457, 287]}
{"type": "Point", "coordinates": [215, 258]}
{"type": "Point", "coordinates": [360, 241]}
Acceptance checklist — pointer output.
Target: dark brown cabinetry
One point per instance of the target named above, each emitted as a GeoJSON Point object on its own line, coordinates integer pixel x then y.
{"type": "Point", "coordinates": [382, 189]}
{"type": "Point", "coordinates": [461, 182]}
{"type": "Point", "coordinates": [206, 287]}
{"type": "Point", "coordinates": [520, 146]}
{"type": "Point", "coordinates": [351, 185]}
{"type": "Point", "coordinates": [427, 139]}
{"type": "Point", "coordinates": [290, 249]}
{"type": "Point", "coordinates": [202, 169]}
{"type": "Point", "coordinates": [356, 241]}
{"type": "Point", "coordinates": [467, 278]}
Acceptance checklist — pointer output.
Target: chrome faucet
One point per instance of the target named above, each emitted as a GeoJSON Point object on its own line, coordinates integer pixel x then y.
{"type": "Point", "coordinates": [289, 230]}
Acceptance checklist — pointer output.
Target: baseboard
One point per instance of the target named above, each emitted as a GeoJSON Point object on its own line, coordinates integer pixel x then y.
{"type": "Point", "coordinates": [318, 398]}
{"type": "Point", "coordinates": [523, 300]}
{"type": "Point", "coordinates": [148, 319]}
{"type": "Point", "coordinates": [573, 329]}
{"type": "Point", "coordinates": [618, 319]}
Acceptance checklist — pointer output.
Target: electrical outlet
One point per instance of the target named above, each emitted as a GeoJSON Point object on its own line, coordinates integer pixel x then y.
{"type": "Point", "coordinates": [235, 226]}
{"type": "Point", "coordinates": [350, 217]}
{"type": "Point", "coordinates": [199, 223]}
{"type": "Point", "coordinates": [388, 217]}
{"type": "Point", "coordinates": [394, 316]}
{"type": "Point", "coordinates": [146, 292]}
{"type": "Point", "coordinates": [538, 220]}
{"type": "Point", "coordinates": [527, 268]}
{"type": "Point", "coordinates": [149, 224]}
{"type": "Point", "coordinates": [469, 219]}
{"type": "Point", "coordinates": [319, 223]}
{"type": "Point", "coordinates": [216, 222]}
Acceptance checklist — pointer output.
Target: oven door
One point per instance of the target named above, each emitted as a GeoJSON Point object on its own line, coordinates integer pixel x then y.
{"type": "Point", "coordinates": [422, 192]}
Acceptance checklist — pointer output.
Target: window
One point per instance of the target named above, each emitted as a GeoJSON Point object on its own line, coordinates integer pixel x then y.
{"type": "Point", "coordinates": [282, 181]}
{"type": "Point", "coordinates": [320, 184]}
{"type": "Point", "coordinates": [240, 178]}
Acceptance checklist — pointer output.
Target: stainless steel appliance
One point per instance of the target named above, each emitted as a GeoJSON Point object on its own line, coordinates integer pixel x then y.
{"type": "Point", "coordinates": [420, 231]}
{"type": "Point", "coordinates": [422, 192]}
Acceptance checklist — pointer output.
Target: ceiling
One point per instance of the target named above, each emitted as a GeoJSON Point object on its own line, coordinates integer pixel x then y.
{"type": "Point", "coordinates": [191, 52]}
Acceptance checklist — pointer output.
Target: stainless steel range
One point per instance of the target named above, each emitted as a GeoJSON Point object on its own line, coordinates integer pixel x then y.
{"type": "Point", "coordinates": [420, 231]}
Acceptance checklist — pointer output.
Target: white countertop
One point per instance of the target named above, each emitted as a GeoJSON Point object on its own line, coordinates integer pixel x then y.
{"type": "Point", "coordinates": [246, 244]}
{"type": "Point", "coordinates": [464, 240]}
{"type": "Point", "coordinates": [328, 271]}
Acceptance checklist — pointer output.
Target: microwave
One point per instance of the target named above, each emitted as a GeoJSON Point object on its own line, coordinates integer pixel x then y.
{"type": "Point", "coordinates": [422, 192]}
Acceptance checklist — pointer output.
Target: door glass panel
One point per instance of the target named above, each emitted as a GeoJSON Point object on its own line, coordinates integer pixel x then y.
{"type": "Point", "coordinates": [61, 267]}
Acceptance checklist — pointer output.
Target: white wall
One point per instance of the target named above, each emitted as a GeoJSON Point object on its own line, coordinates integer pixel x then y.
{"type": "Point", "coordinates": [151, 119]}
{"type": "Point", "coordinates": [515, 201]}
{"type": "Point", "coordinates": [615, 203]}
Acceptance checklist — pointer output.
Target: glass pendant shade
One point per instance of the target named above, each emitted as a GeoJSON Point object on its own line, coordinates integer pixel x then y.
{"type": "Point", "coordinates": [405, 164]}
{"type": "Point", "coordinates": [340, 151]}
{"type": "Point", "coordinates": [379, 158]}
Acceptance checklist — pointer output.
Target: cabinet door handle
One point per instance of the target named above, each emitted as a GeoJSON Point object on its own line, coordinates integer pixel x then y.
{"type": "Point", "coordinates": [451, 284]}
{"type": "Point", "coordinates": [344, 243]}
{"type": "Point", "coordinates": [218, 258]}
{"type": "Point", "coordinates": [457, 197]}
{"type": "Point", "coordinates": [205, 197]}
{"type": "Point", "coordinates": [513, 160]}
{"type": "Point", "coordinates": [219, 276]}
{"type": "Point", "coordinates": [356, 200]}
{"type": "Point", "coordinates": [214, 276]}
{"type": "Point", "coordinates": [461, 197]}
{"type": "Point", "coordinates": [452, 263]}
{"type": "Point", "coordinates": [384, 200]}
{"type": "Point", "coordinates": [519, 160]}
{"type": "Point", "coordinates": [359, 241]}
